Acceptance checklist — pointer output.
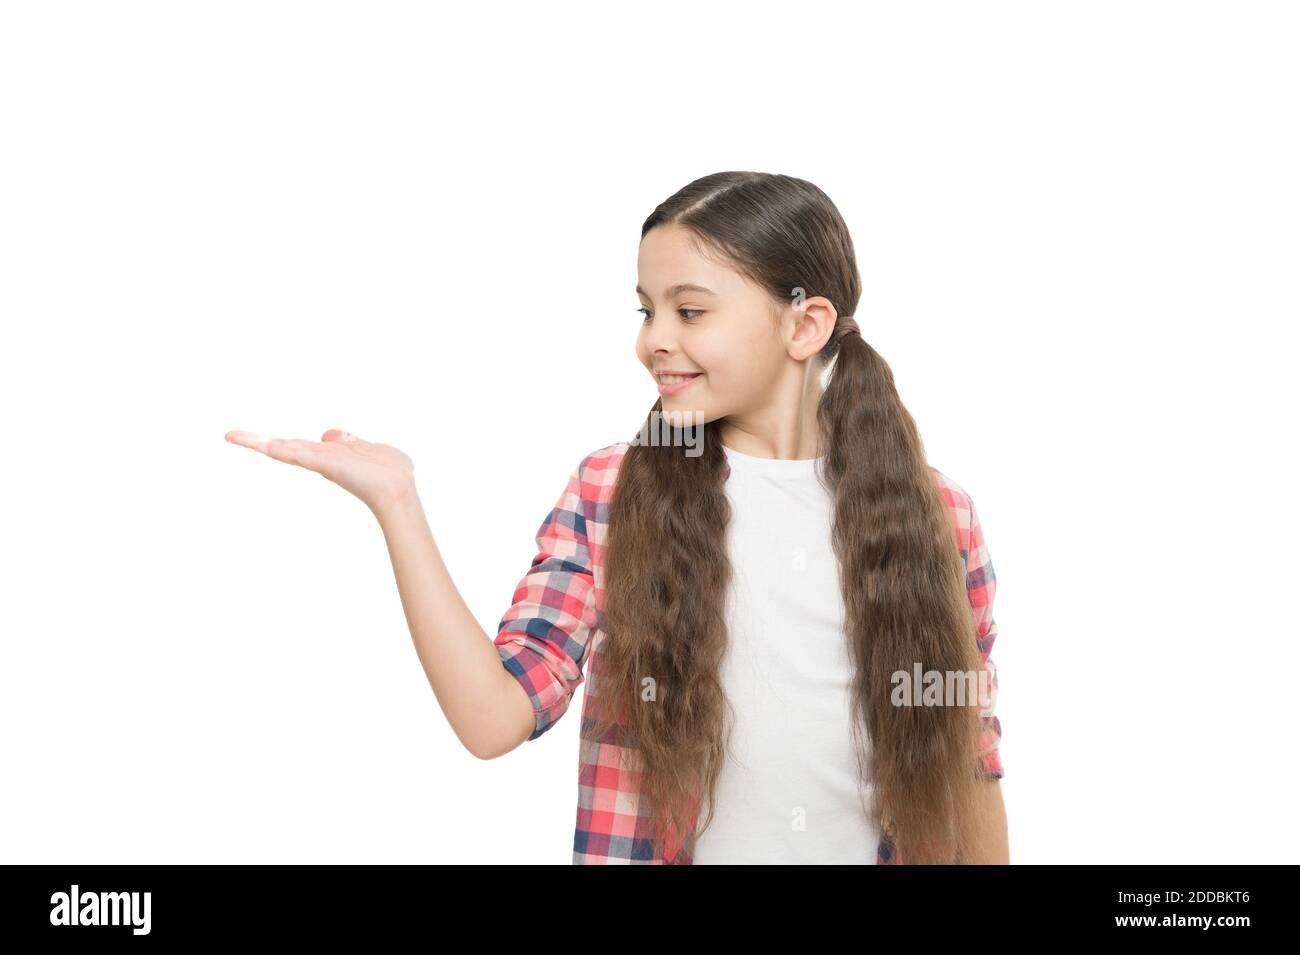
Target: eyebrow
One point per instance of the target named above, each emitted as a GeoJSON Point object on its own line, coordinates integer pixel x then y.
{"type": "Point", "coordinates": [678, 290]}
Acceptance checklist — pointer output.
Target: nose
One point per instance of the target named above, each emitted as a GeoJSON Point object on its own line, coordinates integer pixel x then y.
{"type": "Point", "coordinates": [659, 340]}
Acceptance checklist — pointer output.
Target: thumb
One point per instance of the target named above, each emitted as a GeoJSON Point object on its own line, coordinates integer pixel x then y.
{"type": "Point", "coordinates": [334, 434]}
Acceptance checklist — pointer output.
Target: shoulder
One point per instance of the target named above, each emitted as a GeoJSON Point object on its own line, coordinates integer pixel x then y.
{"type": "Point", "coordinates": [961, 508]}
{"type": "Point", "coordinates": [604, 459]}
{"type": "Point", "coordinates": [598, 471]}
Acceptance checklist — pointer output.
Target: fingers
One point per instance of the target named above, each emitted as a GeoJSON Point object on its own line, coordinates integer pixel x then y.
{"type": "Point", "coordinates": [248, 439]}
{"type": "Point", "coordinates": [307, 454]}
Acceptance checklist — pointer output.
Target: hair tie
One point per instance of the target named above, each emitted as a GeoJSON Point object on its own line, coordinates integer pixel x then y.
{"type": "Point", "coordinates": [846, 326]}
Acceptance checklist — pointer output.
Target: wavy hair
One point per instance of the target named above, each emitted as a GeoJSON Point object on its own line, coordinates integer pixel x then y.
{"type": "Point", "coordinates": [900, 569]}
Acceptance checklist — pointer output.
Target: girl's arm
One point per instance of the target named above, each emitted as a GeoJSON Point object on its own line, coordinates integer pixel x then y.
{"type": "Point", "coordinates": [991, 845]}
{"type": "Point", "coordinates": [488, 709]}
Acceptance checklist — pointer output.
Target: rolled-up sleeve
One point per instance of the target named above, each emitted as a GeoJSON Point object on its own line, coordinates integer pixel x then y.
{"type": "Point", "coordinates": [544, 637]}
{"type": "Point", "coordinates": [981, 585]}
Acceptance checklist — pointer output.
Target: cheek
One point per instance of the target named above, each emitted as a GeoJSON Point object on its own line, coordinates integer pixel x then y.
{"type": "Point", "coordinates": [722, 360]}
{"type": "Point", "coordinates": [713, 353]}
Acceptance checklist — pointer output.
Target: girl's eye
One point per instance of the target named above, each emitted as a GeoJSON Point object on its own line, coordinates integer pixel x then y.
{"type": "Point", "coordinates": [686, 318]}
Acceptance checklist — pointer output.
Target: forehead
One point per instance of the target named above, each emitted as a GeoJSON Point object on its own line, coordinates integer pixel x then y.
{"type": "Point", "coordinates": [671, 260]}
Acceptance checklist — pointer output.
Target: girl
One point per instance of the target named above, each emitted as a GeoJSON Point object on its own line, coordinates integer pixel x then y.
{"type": "Point", "coordinates": [753, 592]}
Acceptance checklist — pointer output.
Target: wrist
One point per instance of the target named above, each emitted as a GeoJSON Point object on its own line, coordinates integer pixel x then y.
{"type": "Point", "coordinates": [397, 506]}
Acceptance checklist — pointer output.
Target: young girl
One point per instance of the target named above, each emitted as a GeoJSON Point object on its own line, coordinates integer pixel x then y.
{"type": "Point", "coordinates": [752, 584]}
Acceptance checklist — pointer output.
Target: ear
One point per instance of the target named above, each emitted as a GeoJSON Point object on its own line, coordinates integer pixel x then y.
{"type": "Point", "coordinates": [814, 320]}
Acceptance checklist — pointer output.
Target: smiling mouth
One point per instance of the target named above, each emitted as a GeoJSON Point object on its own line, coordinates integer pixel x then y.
{"type": "Point", "coordinates": [669, 385]}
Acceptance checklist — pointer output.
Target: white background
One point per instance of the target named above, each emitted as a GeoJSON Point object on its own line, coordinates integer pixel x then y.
{"type": "Point", "coordinates": [1077, 227]}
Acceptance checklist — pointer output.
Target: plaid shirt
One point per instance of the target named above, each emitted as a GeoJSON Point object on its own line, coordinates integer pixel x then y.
{"type": "Point", "coordinates": [555, 627]}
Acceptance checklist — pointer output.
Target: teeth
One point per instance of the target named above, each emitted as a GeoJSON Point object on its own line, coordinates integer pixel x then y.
{"type": "Point", "coordinates": [675, 379]}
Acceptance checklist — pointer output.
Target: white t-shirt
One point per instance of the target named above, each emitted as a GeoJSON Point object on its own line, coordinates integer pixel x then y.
{"type": "Point", "coordinates": [789, 790]}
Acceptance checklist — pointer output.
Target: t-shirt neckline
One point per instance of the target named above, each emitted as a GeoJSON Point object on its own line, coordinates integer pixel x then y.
{"type": "Point", "coordinates": [779, 466]}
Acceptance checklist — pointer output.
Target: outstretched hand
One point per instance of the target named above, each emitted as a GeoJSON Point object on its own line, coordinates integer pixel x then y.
{"type": "Point", "coordinates": [379, 474]}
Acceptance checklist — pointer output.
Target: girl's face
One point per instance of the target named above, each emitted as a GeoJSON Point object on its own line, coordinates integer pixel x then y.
{"type": "Point", "coordinates": [705, 319]}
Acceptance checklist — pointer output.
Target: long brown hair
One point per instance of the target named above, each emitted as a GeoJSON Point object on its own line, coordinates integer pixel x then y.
{"type": "Point", "coordinates": [658, 681]}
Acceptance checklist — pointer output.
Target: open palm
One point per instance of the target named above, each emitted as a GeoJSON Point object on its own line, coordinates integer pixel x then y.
{"type": "Point", "coordinates": [378, 474]}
